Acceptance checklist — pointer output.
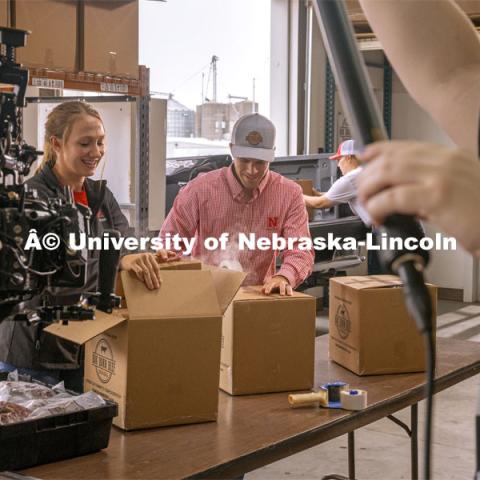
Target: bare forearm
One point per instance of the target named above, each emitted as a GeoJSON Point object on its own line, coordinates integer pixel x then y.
{"type": "Point", "coordinates": [423, 39]}
{"type": "Point", "coordinates": [435, 50]}
{"type": "Point", "coordinates": [320, 201]}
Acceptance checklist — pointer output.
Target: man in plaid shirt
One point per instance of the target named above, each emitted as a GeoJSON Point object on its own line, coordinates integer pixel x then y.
{"type": "Point", "coordinates": [246, 198]}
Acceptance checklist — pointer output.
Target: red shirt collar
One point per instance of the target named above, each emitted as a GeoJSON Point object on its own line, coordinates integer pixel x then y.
{"type": "Point", "coordinates": [237, 189]}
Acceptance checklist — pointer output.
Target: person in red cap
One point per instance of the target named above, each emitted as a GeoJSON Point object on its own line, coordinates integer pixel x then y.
{"type": "Point", "coordinates": [344, 190]}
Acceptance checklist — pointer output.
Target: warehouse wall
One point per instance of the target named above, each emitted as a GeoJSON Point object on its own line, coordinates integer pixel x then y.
{"type": "Point", "coordinates": [279, 76]}
{"type": "Point", "coordinates": [317, 108]}
{"type": "Point", "coordinates": [157, 165]}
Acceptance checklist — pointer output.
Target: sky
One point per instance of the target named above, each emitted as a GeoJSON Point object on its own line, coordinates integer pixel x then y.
{"type": "Point", "coordinates": [179, 37]}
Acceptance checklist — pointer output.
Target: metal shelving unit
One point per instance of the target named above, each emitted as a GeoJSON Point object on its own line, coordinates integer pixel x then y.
{"type": "Point", "coordinates": [90, 82]}
{"type": "Point", "coordinates": [142, 166]}
{"type": "Point", "coordinates": [329, 109]}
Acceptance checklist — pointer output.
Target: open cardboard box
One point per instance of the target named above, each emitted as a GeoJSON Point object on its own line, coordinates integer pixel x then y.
{"type": "Point", "coordinates": [159, 359]}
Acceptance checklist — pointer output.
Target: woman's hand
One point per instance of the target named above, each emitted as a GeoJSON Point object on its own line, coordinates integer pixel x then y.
{"type": "Point", "coordinates": [144, 266]}
{"type": "Point", "coordinates": [435, 183]}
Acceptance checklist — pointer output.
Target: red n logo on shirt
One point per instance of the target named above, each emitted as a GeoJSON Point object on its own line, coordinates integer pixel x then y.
{"type": "Point", "coordinates": [272, 222]}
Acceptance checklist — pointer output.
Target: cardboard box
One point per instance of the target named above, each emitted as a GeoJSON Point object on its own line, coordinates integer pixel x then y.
{"type": "Point", "coordinates": [159, 360]}
{"type": "Point", "coordinates": [111, 44]}
{"type": "Point", "coordinates": [268, 343]}
{"type": "Point", "coordinates": [307, 189]}
{"type": "Point", "coordinates": [182, 264]}
{"type": "Point", "coordinates": [4, 13]}
{"type": "Point", "coordinates": [371, 332]}
{"type": "Point", "coordinates": [53, 41]}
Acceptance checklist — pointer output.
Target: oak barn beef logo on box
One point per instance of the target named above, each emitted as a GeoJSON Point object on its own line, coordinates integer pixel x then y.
{"type": "Point", "coordinates": [342, 321]}
{"type": "Point", "coordinates": [103, 361]}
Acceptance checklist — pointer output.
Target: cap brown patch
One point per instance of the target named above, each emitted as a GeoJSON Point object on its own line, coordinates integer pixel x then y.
{"type": "Point", "coordinates": [254, 138]}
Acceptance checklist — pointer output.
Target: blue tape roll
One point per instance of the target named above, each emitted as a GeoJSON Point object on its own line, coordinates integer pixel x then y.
{"type": "Point", "coordinates": [333, 390]}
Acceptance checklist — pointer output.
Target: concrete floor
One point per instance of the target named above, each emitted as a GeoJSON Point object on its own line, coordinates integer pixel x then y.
{"type": "Point", "coordinates": [382, 448]}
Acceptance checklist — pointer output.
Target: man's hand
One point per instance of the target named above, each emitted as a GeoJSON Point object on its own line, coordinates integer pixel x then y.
{"type": "Point", "coordinates": [164, 256]}
{"type": "Point", "coordinates": [277, 283]}
{"type": "Point", "coordinates": [145, 267]}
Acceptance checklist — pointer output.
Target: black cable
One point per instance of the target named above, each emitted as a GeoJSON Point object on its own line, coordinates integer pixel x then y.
{"type": "Point", "coordinates": [421, 310]}
{"type": "Point", "coordinates": [430, 352]}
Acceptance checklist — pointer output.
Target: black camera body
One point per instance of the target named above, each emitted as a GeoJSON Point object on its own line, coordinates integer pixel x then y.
{"type": "Point", "coordinates": [27, 266]}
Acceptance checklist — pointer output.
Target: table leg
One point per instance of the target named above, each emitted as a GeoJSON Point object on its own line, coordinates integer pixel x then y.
{"type": "Point", "coordinates": [412, 432]}
{"type": "Point", "coordinates": [351, 461]}
{"type": "Point", "coordinates": [414, 440]}
{"type": "Point", "coordinates": [351, 455]}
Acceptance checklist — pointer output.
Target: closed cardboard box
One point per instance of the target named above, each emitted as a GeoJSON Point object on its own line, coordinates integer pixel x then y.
{"type": "Point", "coordinates": [159, 359]}
{"type": "Point", "coordinates": [53, 41]}
{"type": "Point", "coordinates": [111, 37]}
{"type": "Point", "coordinates": [371, 332]}
{"type": "Point", "coordinates": [268, 343]}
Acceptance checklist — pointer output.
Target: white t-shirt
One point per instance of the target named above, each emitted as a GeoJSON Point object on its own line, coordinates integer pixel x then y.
{"type": "Point", "coordinates": [344, 190]}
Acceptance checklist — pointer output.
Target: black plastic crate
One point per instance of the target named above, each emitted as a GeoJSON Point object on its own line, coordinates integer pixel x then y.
{"type": "Point", "coordinates": [49, 439]}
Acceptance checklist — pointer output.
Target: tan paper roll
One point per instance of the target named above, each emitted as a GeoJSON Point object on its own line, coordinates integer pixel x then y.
{"type": "Point", "coordinates": [353, 401]}
{"type": "Point", "coordinates": [308, 399]}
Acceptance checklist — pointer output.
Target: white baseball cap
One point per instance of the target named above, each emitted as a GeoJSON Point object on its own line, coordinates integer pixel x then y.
{"type": "Point", "coordinates": [253, 136]}
{"type": "Point", "coordinates": [345, 149]}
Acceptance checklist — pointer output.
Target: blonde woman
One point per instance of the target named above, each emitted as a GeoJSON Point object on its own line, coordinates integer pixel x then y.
{"type": "Point", "coordinates": [74, 146]}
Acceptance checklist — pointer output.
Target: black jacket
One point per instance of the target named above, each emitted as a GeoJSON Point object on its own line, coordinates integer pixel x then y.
{"type": "Point", "coordinates": [29, 347]}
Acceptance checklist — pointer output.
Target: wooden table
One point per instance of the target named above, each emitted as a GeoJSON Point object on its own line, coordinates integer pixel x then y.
{"type": "Point", "coordinates": [253, 431]}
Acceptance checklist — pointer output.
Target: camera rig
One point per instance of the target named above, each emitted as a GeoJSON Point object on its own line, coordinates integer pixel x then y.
{"type": "Point", "coordinates": [26, 273]}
